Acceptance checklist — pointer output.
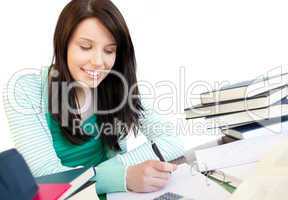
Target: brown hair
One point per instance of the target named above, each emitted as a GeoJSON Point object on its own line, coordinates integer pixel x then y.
{"type": "Point", "coordinates": [110, 91]}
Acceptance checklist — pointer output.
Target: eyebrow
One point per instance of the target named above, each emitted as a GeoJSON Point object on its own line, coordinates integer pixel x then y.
{"type": "Point", "coordinates": [89, 40]}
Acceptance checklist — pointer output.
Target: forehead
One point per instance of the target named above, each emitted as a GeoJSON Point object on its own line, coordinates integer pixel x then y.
{"type": "Point", "coordinates": [93, 29]}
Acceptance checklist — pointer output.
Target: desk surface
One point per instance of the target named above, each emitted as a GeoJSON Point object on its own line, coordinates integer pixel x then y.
{"type": "Point", "coordinates": [226, 186]}
{"type": "Point", "coordinates": [189, 158]}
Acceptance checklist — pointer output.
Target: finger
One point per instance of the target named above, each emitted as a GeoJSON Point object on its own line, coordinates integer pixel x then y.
{"type": "Point", "coordinates": [157, 182]}
{"type": "Point", "coordinates": [164, 166]}
{"type": "Point", "coordinates": [151, 189]}
{"type": "Point", "coordinates": [159, 174]}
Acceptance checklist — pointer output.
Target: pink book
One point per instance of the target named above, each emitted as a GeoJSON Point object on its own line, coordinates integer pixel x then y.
{"type": "Point", "coordinates": [51, 191]}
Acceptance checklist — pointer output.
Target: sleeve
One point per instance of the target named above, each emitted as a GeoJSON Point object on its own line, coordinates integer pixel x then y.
{"type": "Point", "coordinates": [27, 125]}
{"type": "Point", "coordinates": [111, 174]}
{"type": "Point", "coordinates": [159, 129]}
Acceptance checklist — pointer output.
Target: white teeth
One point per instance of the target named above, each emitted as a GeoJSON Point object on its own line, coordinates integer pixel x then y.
{"type": "Point", "coordinates": [92, 73]}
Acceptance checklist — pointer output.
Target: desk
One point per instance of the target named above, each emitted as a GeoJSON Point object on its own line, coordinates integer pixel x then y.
{"type": "Point", "coordinates": [189, 157]}
{"type": "Point", "coordinates": [226, 186]}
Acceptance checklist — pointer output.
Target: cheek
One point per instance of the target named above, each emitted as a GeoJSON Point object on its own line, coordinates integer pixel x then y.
{"type": "Point", "coordinates": [76, 58]}
{"type": "Point", "coordinates": [110, 61]}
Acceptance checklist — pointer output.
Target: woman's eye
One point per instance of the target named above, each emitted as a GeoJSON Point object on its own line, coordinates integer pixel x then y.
{"type": "Point", "coordinates": [85, 48]}
{"type": "Point", "coordinates": [109, 51]}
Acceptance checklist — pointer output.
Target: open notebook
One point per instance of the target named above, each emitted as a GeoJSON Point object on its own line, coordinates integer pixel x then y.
{"type": "Point", "coordinates": [183, 182]}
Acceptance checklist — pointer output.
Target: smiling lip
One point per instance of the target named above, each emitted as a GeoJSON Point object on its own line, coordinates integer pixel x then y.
{"type": "Point", "coordinates": [91, 73]}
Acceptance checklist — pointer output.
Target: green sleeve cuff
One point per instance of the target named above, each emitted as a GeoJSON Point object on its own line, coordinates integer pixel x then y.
{"type": "Point", "coordinates": [110, 176]}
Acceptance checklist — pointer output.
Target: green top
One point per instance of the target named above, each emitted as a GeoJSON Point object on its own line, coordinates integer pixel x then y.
{"type": "Point", "coordinates": [37, 136]}
{"type": "Point", "coordinates": [88, 154]}
{"type": "Point", "coordinates": [92, 153]}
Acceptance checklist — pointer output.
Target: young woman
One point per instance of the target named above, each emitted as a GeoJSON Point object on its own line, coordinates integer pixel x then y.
{"type": "Point", "coordinates": [68, 115]}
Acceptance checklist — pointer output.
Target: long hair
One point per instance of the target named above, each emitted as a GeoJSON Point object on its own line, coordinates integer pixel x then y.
{"type": "Point", "coordinates": [110, 90]}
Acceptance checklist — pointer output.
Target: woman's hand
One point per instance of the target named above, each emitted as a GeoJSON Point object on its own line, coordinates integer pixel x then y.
{"type": "Point", "coordinates": [149, 176]}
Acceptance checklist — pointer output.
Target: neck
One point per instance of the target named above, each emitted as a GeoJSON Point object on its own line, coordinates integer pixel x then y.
{"type": "Point", "coordinates": [87, 105]}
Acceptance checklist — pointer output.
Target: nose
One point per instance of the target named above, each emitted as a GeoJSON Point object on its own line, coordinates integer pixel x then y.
{"type": "Point", "coordinates": [97, 60]}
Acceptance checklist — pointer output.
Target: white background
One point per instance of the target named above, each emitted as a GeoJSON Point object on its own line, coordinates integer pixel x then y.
{"type": "Point", "coordinates": [213, 40]}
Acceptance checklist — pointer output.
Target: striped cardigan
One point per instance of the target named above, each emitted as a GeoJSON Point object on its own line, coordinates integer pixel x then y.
{"type": "Point", "coordinates": [25, 100]}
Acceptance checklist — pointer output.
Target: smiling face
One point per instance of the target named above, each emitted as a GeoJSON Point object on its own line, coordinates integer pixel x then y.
{"type": "Point", "coordinates": [91, 52]}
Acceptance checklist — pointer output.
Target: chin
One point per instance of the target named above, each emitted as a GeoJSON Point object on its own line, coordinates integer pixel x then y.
{"type": "Point", "coordinates": [92, 84]}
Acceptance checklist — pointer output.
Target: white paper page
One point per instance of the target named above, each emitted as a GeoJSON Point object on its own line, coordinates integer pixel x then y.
{"type": "Point", "coordinates": [241, 172]}
{"type": "Point", "coordinates": [236, 153]}
{"type": "Point", "coordinates": [88, 193]}
{"type": "Point", "coordinates": [183, 182]}
{"type": "Point", "coordinates": [273, 129]}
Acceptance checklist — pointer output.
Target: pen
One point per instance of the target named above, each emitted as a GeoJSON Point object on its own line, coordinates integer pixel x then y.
{"type": "Point", "coordinates": [157, 152]}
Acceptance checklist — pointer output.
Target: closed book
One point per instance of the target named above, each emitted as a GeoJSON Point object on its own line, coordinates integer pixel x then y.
{"type": "Point", "coordinates": [277, 110]}
{"type": "Point", "coordinates": [76, 178]}
{"type": "Point", "coordinates": [253, 129]}
{"type": "Point", "coordinates": [259, 101]}
{"type": "Point", "coordinates": [245, 89]}
{"type": "Point", "coordinates": [16, 179]}
{"type": "Point", "coordinates": [51, 191]}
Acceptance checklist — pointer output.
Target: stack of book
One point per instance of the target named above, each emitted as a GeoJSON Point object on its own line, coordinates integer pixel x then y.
{"type": "Point", "coordinates": [66, 185]}
{"type": "Point", "coordinates": [244, 106]}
